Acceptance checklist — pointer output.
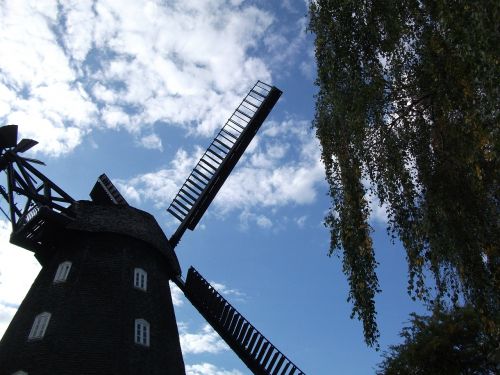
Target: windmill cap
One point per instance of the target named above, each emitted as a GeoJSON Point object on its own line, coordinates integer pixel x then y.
{"type": "Point", "coordinates": [124, 220]}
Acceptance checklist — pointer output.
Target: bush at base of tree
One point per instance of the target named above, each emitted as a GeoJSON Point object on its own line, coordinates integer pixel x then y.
{"type": "Point", "coordinates": [446, 343]}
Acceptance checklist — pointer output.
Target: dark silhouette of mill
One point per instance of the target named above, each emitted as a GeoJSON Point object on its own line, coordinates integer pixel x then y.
{"type": "Point", "coordinates": [101, 303]}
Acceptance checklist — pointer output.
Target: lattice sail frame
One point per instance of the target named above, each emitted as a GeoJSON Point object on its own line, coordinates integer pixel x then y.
{"type": "Point", "coordinates": [31, 197]}
{"type": "Point", "coordinates": [253, 348]}
{"type": "Point", "coordinates": [211, 171]}
{"type": "Point", "coordinates": [27, 189]}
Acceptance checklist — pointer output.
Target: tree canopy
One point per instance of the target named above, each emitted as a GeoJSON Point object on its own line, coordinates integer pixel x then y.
{"type": "Point", "coordinates": [407, 112]}
{"type": "Point", "coordinates": [452, 342]}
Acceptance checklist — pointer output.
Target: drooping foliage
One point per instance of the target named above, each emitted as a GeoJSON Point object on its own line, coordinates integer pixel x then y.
{"type": "Point", "coordinates": [447, 342]}
{"type": "Point", "coordinates": [408, 112]}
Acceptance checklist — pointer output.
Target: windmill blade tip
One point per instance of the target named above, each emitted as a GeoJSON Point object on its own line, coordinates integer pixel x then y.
{"type": "Point", "coordinates": [8, 136]}
{"type": "Point", "coordinates": [25, 144]}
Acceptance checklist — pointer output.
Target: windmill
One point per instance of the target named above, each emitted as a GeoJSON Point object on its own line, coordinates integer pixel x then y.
{"type": "Point", "coordinates": [103, 287]}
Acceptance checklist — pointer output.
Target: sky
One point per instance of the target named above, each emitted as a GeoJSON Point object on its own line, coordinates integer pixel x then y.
{"type": "Point", "coordinates": [137, 89]}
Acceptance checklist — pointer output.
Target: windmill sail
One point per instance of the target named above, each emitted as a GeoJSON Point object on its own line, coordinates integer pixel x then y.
{"type": "Point", "coordinates": [248, 343]}
{"type": "Point", "coordinates": [34, 203]}
{"type": "Point", "coordinates": [105, 192]}
{"type": "Point", "coordinates": [219, 159]}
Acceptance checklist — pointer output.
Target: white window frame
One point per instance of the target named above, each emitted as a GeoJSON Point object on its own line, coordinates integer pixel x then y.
{"type": "Point", "coordinates": [141, 332]}
{"type": "Point", "coordinates": [140, 279]}
{"type": "Point", "coordinates": [62, 272]}
{"type": "Point", "coordinates": [39, 326]}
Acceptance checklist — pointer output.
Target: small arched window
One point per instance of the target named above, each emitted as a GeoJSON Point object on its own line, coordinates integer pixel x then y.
{"type": "Point", "coordinates": [62, 272]}
{"type": "Point", "coordinates": [141, 332]}
{"type": "Point", "coordinates": [39, 326]}
{"type": "Point", "coordinates": [140, 279]}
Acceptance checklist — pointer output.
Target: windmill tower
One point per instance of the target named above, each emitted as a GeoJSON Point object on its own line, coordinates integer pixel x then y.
{"type": "Point", "coordinates": [101, 303]}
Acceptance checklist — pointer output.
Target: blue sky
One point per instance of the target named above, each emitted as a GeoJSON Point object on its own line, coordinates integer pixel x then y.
{"type": "Point", "coordinates": [137, 89]}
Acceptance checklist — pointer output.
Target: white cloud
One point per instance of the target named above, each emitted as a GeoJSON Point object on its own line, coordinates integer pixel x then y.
{"type": "Point", "coordinates": [169, 60]}
{"type": "Point", "coordinates": [264, 222]}
{"type": "Point", "coordinates": [225, 291]}
{"type": "Point", "coordinates": [289, 6]}
{"type": "Point", "coordinates": [301, 221]}
{"type": "Point", "coordinates": [129, 192]}
{"type": "Point", "coordinates": [18, 269]}
{"type": "Point", "coordinates": [209, 369]}
{"type": "Point", "coordinates": [286, 44]}
{"type": "Point", "coordinates": [378, 212]}
{"type": "Point", "coordinates": [308, 65]}
{"type": "Point", "coordinates": [177, 295]}
{"type": "Point", "coordinates": [6, 315]}
{"type": "Point", "coordinates": [246, 218]}
{"type": "Point", "coordinates": [205, 341]}
{"type": "Point", "coordinates": [151, 141]}
{"type": "Point", "coordinates": [38, 86]}
{"type": "Point", "coordinates": [69, 68]}
{"type": "Point", "coordinates": [290, 180]}
{"type": "Point", "coordinates": [282, 167]}
{"type": "Point", "coordinates": [162, 185]}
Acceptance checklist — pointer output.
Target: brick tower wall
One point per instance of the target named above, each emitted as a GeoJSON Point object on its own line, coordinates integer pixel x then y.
{"type": "Point", "coordinates": [91, 329]}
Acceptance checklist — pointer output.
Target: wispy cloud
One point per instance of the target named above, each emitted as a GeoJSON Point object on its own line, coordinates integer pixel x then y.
{"type": "Point", "coordinates": [308, 64]}
{"type": "Point", "coordinates": [286, 43]}
{"type": "Point", "coordinates": [247, 218]}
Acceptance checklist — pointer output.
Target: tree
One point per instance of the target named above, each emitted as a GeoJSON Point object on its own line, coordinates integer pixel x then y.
{"type": "Point", "coordinates": [407, 112]}
{"type": "Point", "coordinates": [452, 342]}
